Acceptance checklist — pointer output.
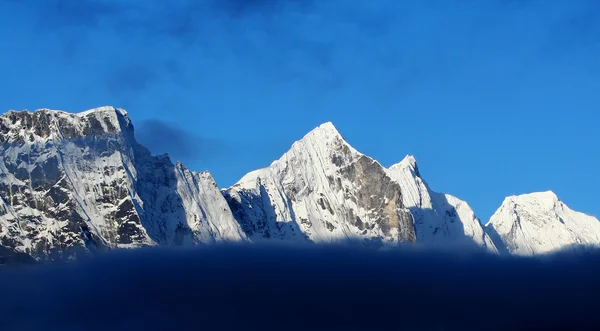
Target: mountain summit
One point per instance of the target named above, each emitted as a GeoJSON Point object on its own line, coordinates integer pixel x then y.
{"type": "Point", "coordinates": [538, 223]}
{"type": "Point", "coordinates": [322, 190]}
{"type": "Point", "coordinates": [440, 219]}
{"type": "Point", "coordinates": [325, 190]}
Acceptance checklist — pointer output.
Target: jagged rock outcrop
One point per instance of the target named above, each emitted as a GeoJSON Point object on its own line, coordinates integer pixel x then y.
{"type": "Point", "coordinates": [74, 183]}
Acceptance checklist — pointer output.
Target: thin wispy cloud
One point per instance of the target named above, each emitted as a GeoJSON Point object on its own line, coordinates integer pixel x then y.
{"type": "Point", "coordinates": [301, 40]}
{"type": "Point", "coordinates": [333, 45]}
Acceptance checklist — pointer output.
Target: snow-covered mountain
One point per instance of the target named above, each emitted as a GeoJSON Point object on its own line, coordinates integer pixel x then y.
{"type": "Point", "coordinates": [71, 183]}
{"type": "Point", "coordinates": [322, 190]}
{"type": "Point", "coordinates": [540, 223]}
{"type": "Point", "coordinates": [75, 183]}
{"type": "Point", "coordinates": [318, 189]}
{"type": "Point", "coordinates": [440, 219]}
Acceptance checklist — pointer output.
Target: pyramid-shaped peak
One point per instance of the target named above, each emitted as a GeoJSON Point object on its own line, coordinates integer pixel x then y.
{"type": "Point", "coordinates": [408, 161]}
{"type": "Point", "coordinates": [324, 140]}
{"type": "Point", "coordinates": [326, 128]}
{"type": "Point", "coordinates": [323, 133]}
{"type": "Point", "coordinates": [327, 125]}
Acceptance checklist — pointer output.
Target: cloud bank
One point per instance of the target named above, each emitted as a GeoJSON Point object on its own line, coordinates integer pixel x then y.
{"type": "Point", "coordinates": [279, 287]}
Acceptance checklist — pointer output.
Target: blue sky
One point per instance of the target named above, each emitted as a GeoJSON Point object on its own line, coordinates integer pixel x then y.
{"type": "Point", "coordinates": [494, 97]}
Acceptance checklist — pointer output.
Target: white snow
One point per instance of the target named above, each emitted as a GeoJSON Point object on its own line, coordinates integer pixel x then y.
{"type": "Point", "coordinates": [298, 197]}
{"type": "Point", "coordinates": [539, 223]}
{"type": "Point", "coordinates": [315, 192]}
{"type": "Point", "coordinates": [440, 219]}
{"type": "Point", "coordinates": [103, 171]}
{"type": "Point", "coordinates": [208, 212]}
{"type": "Point", "coordinates": [102, 109]}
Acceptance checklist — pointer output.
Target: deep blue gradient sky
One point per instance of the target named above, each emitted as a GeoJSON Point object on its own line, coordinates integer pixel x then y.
{"type": "Point", "coordinates": [494, 97]}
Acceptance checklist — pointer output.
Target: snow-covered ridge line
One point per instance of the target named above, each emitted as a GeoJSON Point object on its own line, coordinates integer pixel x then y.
{"type": "Point", "coordinates": [80, 180]}
{"type": "Point", "coordinates": [101, 109]}
{"type": "Point", "coordinates": [440, 219]}
{"type": "Point", "coordinates": [47, 124]}
{"type": "Point", "coordinates": [322, 190]}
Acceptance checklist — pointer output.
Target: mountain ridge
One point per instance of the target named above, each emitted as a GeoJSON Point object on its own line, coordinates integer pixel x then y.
{"type": "Point", "coordinates": [440, 218]}
{"type": "Point", "coordinates": [319, 188]}
{"type": "Point", "coordinates": [70, 182]}
{"type": "Point", "coordinates": [81, 181]}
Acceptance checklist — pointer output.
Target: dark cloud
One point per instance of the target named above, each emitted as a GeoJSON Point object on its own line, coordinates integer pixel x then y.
{"type": "Point", "coordinates": [305, 288]}
{"type": "Point", "coordinates": [162, 137]}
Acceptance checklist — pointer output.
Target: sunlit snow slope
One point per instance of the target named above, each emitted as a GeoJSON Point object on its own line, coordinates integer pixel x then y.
{"type": "Point", "coordinates": [540, 223]}
{"type": "Point", "coordinates": [322, 190]}
{"type": "Point", "coordinates": [440, 219]}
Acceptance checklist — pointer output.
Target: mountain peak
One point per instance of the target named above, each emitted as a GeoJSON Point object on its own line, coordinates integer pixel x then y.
{"type": "Point", "coordinates": [103, 109]}
{"type": "Point", "coordinates": [326, 139]}
{"type": "Point", "coordinates": [539, 222]}
{"type": "Point", "coordinates": [324, 131]}
{"type": "Point", "coordinates": [544, 197]}
{"type": "Point", "coordinates": [327, 125]}
{"type": "Point", "coordinates": [409, 162]}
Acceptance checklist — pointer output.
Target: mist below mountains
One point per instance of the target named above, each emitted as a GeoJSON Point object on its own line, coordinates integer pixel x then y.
{"type": "Point", "coordinates": [305, 287]}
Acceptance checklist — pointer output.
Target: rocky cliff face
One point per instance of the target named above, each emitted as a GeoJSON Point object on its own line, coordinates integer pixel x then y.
{"type": "Point", "coordinates": [71, 183]}
{"type": "Point", "coordinates": [440, 219]}
{"type": "Point", "coordinates": [322, 190]}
